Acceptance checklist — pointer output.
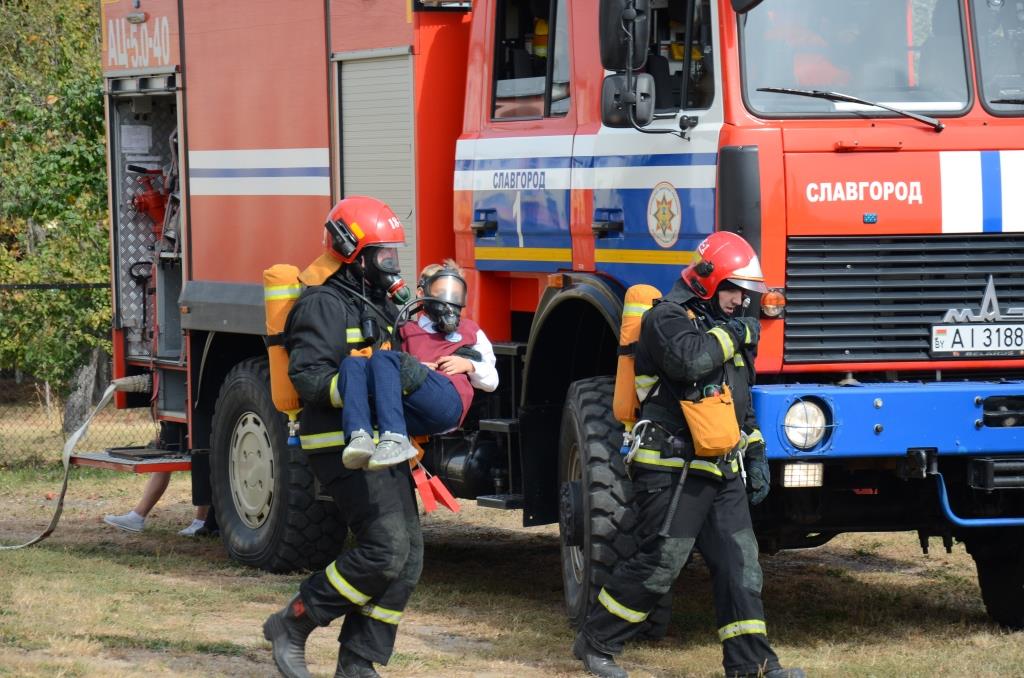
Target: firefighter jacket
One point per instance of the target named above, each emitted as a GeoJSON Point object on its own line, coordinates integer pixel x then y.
{"type": "Point", "coordinates": [683, 349]}
{"type": "Point", "coordinates": [322, 329]}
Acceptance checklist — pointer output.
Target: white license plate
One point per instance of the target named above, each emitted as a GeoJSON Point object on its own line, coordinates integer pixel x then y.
{"type": "Point", "coordinates": [978, 339]}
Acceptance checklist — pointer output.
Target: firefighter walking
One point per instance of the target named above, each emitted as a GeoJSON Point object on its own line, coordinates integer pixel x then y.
{"type": "Point", "coordinates": [694, 350]}
{"type": "Point", "coordinates": [347, 305]}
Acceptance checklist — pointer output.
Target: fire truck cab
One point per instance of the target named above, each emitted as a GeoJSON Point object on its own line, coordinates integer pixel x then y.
{"type": "Point", "coordinates": [563, 151]}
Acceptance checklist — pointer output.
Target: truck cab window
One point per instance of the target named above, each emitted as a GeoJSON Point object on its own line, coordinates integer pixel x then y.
{"type": "Point", "coordinates": [666, 57]}
{"type": "Point", "coordinates": [531, 59]}
{"type": "Point", "coordinates": [907, 53]}
{"type": "Point", "coordinates": [999, 41]}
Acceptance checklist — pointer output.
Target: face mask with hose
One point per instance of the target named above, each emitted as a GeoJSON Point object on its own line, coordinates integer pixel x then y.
{"type": "Point", "coordinates": [444, 297]}
{"type": "Point", "coordinates": [445, 294]}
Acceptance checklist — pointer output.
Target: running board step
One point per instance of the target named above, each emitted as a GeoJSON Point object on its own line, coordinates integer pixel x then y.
{"type": "Point", "coordinates": [136, 453]}
{"type": "Point", "coordinates": [500, 501]}
{"type": "Point", "coordinates": [512, 348]}
{"type": "Point", "coordinates": [500, 425]}
{"type": "Point", "coordinates": [106, 460]}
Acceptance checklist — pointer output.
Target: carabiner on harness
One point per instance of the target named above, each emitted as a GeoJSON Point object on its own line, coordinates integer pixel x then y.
{"type": "Point", "coordinates": [631, 440]}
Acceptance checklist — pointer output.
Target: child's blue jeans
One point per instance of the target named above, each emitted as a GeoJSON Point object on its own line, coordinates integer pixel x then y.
{"type": "Point", "coordinates": [435, 407]}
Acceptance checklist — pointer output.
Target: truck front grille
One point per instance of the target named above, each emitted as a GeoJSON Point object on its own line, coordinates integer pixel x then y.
{"type": "Point", "coordinates": [854, 299]}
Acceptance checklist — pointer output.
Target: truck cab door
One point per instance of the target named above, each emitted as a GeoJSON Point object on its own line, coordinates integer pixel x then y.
{"type": "Point", "coordinates": [518, 167]}
{"type": "Point", "coordinates": [654, 194]}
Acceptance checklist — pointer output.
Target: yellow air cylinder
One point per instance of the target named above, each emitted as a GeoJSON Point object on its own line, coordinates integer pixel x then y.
{"type": "Point", "coordinates": [281, 287]}
{"type": "Point", "coordinates": [626, 402]}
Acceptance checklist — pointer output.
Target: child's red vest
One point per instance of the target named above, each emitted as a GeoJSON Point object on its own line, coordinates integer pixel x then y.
{"type": "Point", "coordinates": [429, 346]}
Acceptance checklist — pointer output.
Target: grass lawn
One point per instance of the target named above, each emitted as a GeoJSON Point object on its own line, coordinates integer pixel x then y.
{"type": "Point", "coordinates": [91, 601]}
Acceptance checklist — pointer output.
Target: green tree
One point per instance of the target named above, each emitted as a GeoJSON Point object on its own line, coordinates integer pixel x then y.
{"type": "Point", "coordinates": [52, 186]}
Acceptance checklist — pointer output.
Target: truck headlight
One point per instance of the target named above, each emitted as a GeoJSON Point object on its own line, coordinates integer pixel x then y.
{"type": "Point", "coordinates": [805, 424]}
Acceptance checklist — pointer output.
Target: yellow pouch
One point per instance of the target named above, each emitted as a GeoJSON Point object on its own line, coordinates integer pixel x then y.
{"type": "Point", "coordinates": [712, 423]}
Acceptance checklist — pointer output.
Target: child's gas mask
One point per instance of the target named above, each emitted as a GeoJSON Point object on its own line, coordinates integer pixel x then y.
{"type": "Point", "coordinates": [444, 298]}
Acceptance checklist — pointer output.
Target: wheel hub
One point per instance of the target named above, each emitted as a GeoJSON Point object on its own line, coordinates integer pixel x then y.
{"type": "Point", "coordinates": [571, 515]}
{"type": "Point", "coordinates": [251, 470]}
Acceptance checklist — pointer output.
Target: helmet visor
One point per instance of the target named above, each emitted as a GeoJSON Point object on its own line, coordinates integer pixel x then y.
{"type": "Point", "coordinates": [750, 285]}
{"type": "Point", "coordinates": [447, 287]}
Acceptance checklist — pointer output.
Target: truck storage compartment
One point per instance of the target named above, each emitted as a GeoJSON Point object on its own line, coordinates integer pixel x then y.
{"type": "Point", "coordinates": [144, 214]}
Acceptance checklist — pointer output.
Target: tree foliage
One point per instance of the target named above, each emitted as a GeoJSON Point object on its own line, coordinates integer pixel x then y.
{"type": "Point", "coordinates": [52, 186]}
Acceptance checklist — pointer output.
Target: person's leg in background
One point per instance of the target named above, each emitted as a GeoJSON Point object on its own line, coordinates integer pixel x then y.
{"type": "Point", "coordinates": [205, 522]}
{"type": "Point", "coordinates": [134, 520]}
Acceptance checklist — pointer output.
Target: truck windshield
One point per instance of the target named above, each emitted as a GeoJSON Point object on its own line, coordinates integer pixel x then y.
{"type": "Point", "coordinates": [999, 40]}
{"type": "Point", "coordinates": [908, 54]}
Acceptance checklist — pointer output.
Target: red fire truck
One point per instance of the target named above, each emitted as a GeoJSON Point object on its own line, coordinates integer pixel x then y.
{"type": "Point", "coordinates": [561, 151]}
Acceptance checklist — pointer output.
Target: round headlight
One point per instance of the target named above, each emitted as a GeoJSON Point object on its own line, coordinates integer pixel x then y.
{"type": "Point", "coordinates": [805, 424]}
{"type": "Point", "coordinates": [773, 303]}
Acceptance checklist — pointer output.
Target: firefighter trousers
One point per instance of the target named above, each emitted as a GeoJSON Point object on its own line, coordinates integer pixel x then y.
{"type": "Point", "coordinates": [713, 516]}
{"type": "Point", "coordinates": [369, 583]}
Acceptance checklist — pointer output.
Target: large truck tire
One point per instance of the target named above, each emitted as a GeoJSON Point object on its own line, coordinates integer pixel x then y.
{"type": "Point", "coordinates": [999, 557]}
{"type": "Point", "coordinates": [263, 489]}
{"type": "Point", "coordinates": [596, 518]}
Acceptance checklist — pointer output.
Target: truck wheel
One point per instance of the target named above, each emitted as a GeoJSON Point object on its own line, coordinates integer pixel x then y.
{"type": "Point", "coordinates": [999, 558]}
{"type": "Point", "coordinates": [263, 489]}
{"type": "Point", "coordinates": [596, 521]}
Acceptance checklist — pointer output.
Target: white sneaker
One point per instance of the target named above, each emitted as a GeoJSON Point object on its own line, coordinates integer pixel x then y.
{"type": "Point", "coordinates": [358, 451]}
{"type": "Point", "coordinates": [129, 522]}
{"type": "Point", "coordinates": [393, 448]}
{"type": "Point", "coordinates": [191, 530]}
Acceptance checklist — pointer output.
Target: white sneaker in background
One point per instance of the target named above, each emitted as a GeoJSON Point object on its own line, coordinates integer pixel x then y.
{"type": "Point", "coordinates": [191, 530]}
{"type": "Point", "coordinates": [129, 522]}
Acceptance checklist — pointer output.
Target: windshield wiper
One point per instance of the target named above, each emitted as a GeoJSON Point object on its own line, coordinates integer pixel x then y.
{"type": "Point", "coordinates": [1019, 102]}
{"type": "Point", "coordinates": [838, 96]}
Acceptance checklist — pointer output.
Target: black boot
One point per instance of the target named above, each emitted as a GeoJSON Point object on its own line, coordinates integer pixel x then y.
{"type": "Point", "coordinates": [595, 661]}
{"type": "Point", "coordinates": [785, 673]}
{"type": "Point", "coordinates": [287, 631]}
{"type": "Point", "coordinates": [775, 673]}
{"type": "Point", "coordinates": [351, 665]}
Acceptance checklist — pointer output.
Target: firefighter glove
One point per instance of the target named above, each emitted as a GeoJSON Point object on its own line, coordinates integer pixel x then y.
{"type": "Point", "coordinates": [744, 331]}
{"type": "Point", "coordinates": [411, 372]}
{"type": "Point", "coordinates": [758, 475]}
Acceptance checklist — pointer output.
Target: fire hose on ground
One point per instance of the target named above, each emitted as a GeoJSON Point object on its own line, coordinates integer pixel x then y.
{"type": "Point", "coordinates": [134, 384]}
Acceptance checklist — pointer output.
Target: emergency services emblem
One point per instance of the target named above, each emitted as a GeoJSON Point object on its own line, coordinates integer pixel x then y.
{"type": "Point", "coordinates": [664, 215]}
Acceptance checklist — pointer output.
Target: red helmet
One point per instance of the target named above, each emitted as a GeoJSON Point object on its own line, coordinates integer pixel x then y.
{"type": "Point", "coordinates": [720, 257]}
{"type": "Point", "coordinates": [357, 222]}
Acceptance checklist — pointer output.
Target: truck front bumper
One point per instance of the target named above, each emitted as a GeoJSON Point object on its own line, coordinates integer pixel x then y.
{"type": "Point", "coordinates": [886, 420]}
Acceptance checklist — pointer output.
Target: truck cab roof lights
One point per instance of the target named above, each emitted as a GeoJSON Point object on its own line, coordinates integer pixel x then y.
{"type": "Point", "coordinates": [937, 125]}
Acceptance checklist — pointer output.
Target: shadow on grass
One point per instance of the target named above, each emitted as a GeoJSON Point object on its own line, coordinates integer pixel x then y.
{"type": "Point", "coordinates": [809, 599]}
{"type": "Point", "coordinates": [494, 576]}
{"type": "Point", "coordinates": [118, 642]}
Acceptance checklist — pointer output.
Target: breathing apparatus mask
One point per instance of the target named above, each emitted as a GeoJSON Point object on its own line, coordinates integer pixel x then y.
{"type": "Point", "coordinates": [444, 298]}
{"type": "Point", "coordinates": [382, 271]}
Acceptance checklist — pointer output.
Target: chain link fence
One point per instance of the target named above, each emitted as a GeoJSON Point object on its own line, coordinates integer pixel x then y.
{"type": "Point", "coordinates": [35, 419]}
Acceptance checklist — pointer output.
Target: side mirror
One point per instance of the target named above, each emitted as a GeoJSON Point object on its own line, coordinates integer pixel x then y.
{"type": "Point", "coordinates": [742, 6]}
{"type": "Point", "coordinates": [633, 14]}
{"type": "Point", "coordinates": [616, 100]}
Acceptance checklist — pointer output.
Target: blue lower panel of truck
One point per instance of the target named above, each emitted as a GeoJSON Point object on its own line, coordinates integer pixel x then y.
{"type": "Point", "coordinates": [886, 420]}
